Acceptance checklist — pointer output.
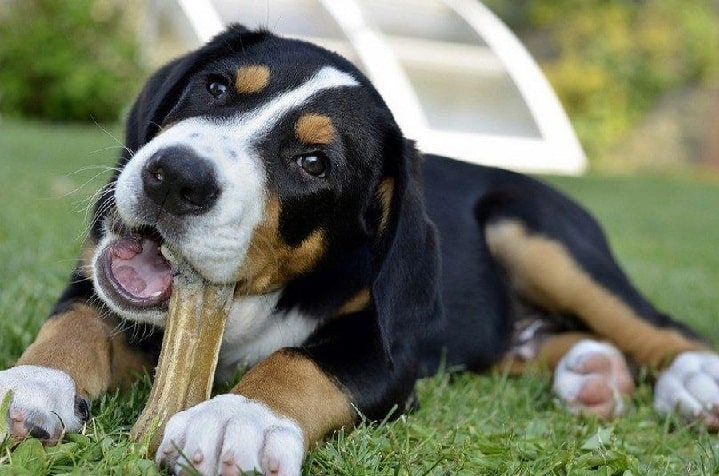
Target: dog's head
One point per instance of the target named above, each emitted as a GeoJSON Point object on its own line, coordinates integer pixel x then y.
{"type": "Point", "coordinates": [257, 158]}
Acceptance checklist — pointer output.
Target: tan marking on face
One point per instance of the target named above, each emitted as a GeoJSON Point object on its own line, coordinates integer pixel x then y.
{"type": "Point", "coordinates": [293, 386]}
{"type": "Point", "coordinates": [252, 79]}
{"type": "Point", "coordinates": [87, 253]}
{"type": "Point", "coordinates": [87, 347]}
{"type": "Point", "coordinates": [271, 262]}
{"type": "Point", "coordinates": [385, 192]}
{"type": "Point", "coordinates": [356, 303]}
{"type": "Point", "coordinates": [542, 271]}
{"type": "Point", "coordinates": [315, 129]}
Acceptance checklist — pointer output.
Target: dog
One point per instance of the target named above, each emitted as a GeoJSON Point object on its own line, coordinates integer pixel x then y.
{"type": "Point", "coordinates": [361, 265]}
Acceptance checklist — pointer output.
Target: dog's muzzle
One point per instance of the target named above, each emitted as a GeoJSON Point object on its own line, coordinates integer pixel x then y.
{"type": "Point", "coordinates": [176, 183]}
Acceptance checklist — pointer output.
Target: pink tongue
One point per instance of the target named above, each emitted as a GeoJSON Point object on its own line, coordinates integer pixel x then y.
{"type": "Point", "coordinates": [140, 268]}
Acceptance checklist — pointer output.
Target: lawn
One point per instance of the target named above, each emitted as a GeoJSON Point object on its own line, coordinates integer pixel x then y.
{"type": "Point", "coordinates": [665, 230]}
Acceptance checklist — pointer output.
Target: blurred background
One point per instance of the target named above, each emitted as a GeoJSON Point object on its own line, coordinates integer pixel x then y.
{"type": "Point", "coordinates": [639, 80]}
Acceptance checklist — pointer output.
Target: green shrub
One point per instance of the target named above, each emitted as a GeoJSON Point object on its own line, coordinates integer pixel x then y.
{"type": "Point", "coordinates": [609, 60]}
{"type": "Point", "coordinates": [66, 60]}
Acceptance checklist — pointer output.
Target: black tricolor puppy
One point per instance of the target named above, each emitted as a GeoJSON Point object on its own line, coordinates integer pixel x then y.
{"type": "Point", "coordinates": [275, 164]}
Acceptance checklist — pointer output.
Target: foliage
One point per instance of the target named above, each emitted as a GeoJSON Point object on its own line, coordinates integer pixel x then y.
{"type": "Point", "coordinates": [71, 61]}
{"type": "Point", "coordinates": [467, 424]}
{"type": "Point", "coordinates": [609, 60]}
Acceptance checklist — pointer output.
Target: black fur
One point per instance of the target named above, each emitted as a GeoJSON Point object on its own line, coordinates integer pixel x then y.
{"type": "Point", "coordinates": [461, 200]}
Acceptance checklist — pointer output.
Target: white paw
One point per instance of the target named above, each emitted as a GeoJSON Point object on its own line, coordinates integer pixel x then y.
{"type": "Point", "coordinates": [593, 379]}
{"type": "Point", "coordinates": [690, 386]}
{"type": "Point", "coordinates": [44, 404]}
{"type": "Point", "coordinates": [229, 435]}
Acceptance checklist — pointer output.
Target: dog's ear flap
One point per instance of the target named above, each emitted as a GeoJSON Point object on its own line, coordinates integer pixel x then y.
{"type": "Point", "coordinates": [155, 101]}
{"type": "Point", "coordinates": [406, 268]}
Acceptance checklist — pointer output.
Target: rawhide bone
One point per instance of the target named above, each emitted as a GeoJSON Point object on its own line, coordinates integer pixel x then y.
{"type": "Point", "coordinates": [190, 347]}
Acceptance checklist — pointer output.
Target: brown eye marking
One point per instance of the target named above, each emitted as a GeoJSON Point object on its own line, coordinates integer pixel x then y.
{"type": "Point", "coordinates": [252, 79]}
{"type": "Point", "coordinates": [315, 129]}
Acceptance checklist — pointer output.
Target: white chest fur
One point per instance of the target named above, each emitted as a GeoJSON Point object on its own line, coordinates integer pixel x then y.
{"type": "Point", "coordinates": [254, 330]}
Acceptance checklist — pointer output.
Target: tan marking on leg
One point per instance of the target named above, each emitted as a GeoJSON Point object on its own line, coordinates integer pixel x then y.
{"type": "Point", "coordinates": [356, 303]}
{"type": "Point", "coordinates": [315, 129]}
{"type": "Point", "coordinates": [293, 386]}
{"type": "Point", "coordinates": [385, 192]}
{"type": "Point", "coordinates": [252, 79]}
{"type": "Point", "coordinates": [88, 348]}
{"type": "Point", "coordinates": [271, 262]}
{"type": "Point", "coordinates": [542, 271]}
{"type": "Point", "coordinates": [550, 353]}
{"type": "Point", "coordinates": [555, 347]}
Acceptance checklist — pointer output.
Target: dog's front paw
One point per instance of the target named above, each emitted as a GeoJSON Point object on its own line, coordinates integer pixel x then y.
{"type": "Point", "coordinates": [43, 405]}
{"type": "Point", "coordinates": [593, 379]}
{"type": "Point", "coordinates": [229, 435]}
{"type": "Point", "coordinates": [690, 386]}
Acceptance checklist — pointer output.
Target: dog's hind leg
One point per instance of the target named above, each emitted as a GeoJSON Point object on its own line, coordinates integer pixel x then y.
{"type": "Point", "coordinates": [543, 271]}
{"type": "Point", "coordinates": [556, 258]}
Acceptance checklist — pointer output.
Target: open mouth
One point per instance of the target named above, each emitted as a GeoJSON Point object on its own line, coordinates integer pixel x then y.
{"type": "Point", "coordinates": [132, 270]}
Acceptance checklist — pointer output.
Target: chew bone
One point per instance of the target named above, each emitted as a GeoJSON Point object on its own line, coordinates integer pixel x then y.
{"type": "Point", "coordinates": [190, 348]}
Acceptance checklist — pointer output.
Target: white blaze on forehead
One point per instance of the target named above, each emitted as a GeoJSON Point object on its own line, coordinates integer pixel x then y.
{"type": "Point", "coordinates": [262, 119]}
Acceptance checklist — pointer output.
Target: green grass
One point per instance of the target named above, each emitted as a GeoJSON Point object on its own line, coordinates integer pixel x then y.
{"type": "Point", "coordinates": [665, 230]}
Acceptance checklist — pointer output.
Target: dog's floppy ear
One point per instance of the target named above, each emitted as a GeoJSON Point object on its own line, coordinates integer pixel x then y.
{"type": "Point", "coordinates": [406, 268]}
{"type": "Point", "coordinates": [155, 101]}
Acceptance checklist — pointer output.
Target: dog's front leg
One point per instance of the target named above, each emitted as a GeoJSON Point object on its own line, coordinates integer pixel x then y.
{"type": "Point", "coordinates": [76, 356]}
{"type": "Point", "coordinates": [289, 402]}
{"type": "Point", "coordinates": [278, 410]}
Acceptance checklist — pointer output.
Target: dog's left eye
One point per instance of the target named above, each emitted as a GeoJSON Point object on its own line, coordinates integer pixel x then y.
{"type": "Point", "coordinates": [314, 164]}
{"type": "Point", "coordinates": [217, 87]}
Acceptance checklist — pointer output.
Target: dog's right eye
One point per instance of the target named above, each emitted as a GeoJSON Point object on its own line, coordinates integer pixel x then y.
{"type": "Point", "coordinates": [216, 86]}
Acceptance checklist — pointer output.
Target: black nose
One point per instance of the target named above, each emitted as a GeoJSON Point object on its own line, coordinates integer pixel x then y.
{"type": "Point", "coordinates": [180, 181]}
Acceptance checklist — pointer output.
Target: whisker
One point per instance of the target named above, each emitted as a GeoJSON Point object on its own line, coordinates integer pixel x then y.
{"type": "Point", "coordinates": [79, 187]}
{"type": "Point", "coordinates": [109, 147]}
{"type": "Point", "coordinates": [104, 168]}
{"type": "Point", "coordinates": [109, 188]}
{"type": "Point", "coordinates": [100, 212]}
{"type": "Point", "coordinates": [118, 141]}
